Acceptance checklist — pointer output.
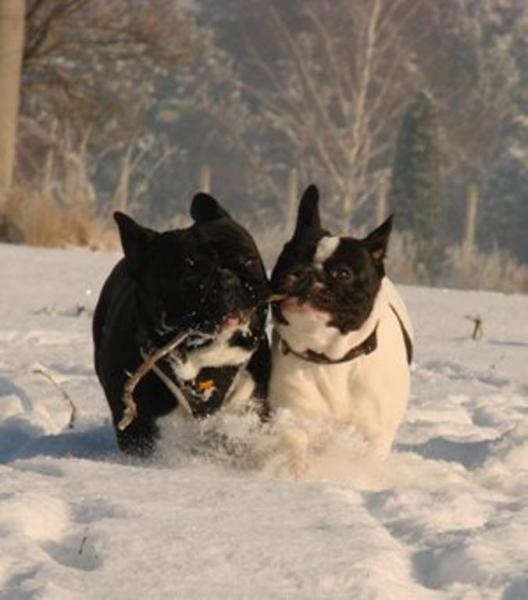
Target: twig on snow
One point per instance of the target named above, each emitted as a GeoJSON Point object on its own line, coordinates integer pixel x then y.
{"type": "Point", "coordinates": [81, 545]}
{"type": "Point", "coordinates": [38, 368]}
{"type": "Point", "coordinates": [478, 326]}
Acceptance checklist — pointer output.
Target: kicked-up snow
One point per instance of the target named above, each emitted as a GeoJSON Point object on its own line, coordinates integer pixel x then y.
{"type": "Point", "coordinates": [215, 515]}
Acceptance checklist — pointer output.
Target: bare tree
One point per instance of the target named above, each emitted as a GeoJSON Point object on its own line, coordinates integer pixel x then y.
{"type": "Point", "coordinates": [476, 79]}
{"type": "Point", "coordinates": [325, 82]}
{"type": "Point", "coordinates": [91, 72]}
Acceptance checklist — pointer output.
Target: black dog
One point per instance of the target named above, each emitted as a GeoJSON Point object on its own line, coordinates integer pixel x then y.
{"type": "Point", "coordinates": [206, 281]}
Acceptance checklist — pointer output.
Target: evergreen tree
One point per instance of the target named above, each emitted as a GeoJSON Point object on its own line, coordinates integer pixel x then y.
{"type": "Point", "coordinates": [414, 195]}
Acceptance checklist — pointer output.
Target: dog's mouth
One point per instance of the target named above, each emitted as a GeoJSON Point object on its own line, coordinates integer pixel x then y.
{"type": "Point", "coordinates": [285, 307]}
{"type": "Point", "coordinates": [242, 317]}
{"type": "Point", "coordinates": [298, 305]}
{"type": "Point", "coordinates": [237, 319]}
{"type": "Point", "coordinates": [312, 303]}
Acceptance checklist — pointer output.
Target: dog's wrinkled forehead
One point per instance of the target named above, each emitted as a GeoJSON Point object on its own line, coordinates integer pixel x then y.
{"type": "Point", "coordinates": [324, 251]}
{"type": "Point", "coordinates": [344, 250]}
{"type": "Point", "coordinates": [225, 235]}
{"type": "Point", "coordinates": [173, 248]}
{"type": "Point", "coordinates": [326, 247]}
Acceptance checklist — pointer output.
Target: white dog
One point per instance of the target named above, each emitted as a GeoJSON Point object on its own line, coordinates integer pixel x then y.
{"type": "Point", "coordinates": [342, 337]}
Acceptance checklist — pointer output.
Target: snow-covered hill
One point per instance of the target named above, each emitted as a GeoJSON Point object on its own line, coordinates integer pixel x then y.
{"type": "Point", "coordinates": [446, 516]}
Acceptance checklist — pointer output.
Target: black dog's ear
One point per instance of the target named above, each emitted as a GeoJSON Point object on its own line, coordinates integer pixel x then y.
{"type": "Point", "coordinates": [206, 208]}
{"type": "Point", "coordinates": [135, 240]}
{"type": "Point", "coordinates": [308, 214]}
{"type": "Point", "coordinates": [376, 241]}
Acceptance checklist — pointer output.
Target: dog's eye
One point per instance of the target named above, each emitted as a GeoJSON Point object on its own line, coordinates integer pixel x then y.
{"type": "Point", "coordinates": [189, 261]}
{"type": "Point", "coordinates": [250, 262]}
{"type": "Point", "coordinates": [341, 273]}
{"type": "Point", "coordinates": [298, 272]}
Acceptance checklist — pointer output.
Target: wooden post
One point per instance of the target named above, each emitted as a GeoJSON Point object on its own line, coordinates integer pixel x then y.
{"type": "Point", "coordinates": [123, 185]}
{"type": "Point", "coordinates": [12, 14]}
{"type": "Point", "coordinates": [205, 179]}
{"type": "Point", "coordinates": [293, 199]}
{"type": "Point", "coordinates": [381, 200]}
{"type": "Point", "coordinates": [468, 243]}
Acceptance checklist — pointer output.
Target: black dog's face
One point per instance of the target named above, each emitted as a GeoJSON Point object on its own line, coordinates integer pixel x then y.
{"type": "Point", "coordinates": [323, 274]}
{"type": "Point", "coordinates": [207, 277]}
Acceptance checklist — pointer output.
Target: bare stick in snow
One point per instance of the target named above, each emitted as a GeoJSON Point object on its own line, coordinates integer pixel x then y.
{"type": "Point", "coordinates": [81, 545]}
{"type": "Point", "coordinates": [145, 367]}
{"type": "Point", "coordinates": [49, 376]}
{"type": "Point", "coordinates": [478, 326]}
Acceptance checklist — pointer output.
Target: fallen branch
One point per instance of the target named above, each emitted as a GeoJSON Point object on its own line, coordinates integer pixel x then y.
{"type": "Point", "coordinates": [173, 388]}
{"type": "Point", "coordinates": [145, 367]}
{"type": "Point", "coordinates": [277, 297]}
{"type": "Point", "coordinates": [81, 545]}
{"type": "Point", "coordinates": [49, 376]}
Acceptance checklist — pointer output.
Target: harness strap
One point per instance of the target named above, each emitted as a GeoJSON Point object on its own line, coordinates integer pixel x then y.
{"type": "Point", "coordinates": [406, 336]}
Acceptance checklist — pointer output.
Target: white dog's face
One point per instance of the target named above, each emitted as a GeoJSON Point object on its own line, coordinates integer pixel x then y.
{"type": "Point", "coordinates": [328, 280]}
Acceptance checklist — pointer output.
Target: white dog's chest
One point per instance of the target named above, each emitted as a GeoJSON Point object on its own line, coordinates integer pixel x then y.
{"type": "Point", "coordinates": [369, 392]}
{"type": "Point", "coordinates": [354, 393]}
{"type": "Point", "coordinates": [314, 388]}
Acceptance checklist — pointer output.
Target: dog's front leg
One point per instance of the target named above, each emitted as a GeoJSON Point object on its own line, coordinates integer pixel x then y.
{"type": "Point", "coordinates": [297, 445]}
{"type": "Point", "coordinates": [293, 443]}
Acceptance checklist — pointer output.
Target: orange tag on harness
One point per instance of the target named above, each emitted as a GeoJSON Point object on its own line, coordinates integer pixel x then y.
{"type": "Point", "coordinates": [208, 384]}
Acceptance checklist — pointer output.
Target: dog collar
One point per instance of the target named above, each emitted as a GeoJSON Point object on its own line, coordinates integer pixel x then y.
{"type": "Point", "coordinates": [367, 346]}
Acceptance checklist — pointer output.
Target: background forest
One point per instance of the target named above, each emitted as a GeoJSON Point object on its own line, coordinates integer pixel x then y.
{"type": "Point", "coordinates": [408, 106]}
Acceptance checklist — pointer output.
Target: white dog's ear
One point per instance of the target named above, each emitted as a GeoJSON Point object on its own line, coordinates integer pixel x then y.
{"type": "Point", "coordinates": [206, 208]}
{"type": "Point", "coordinates": [377, 241]}
{"type": "Point", "coordinates": [135, 240]}
{"type": "Point", "coordinates": [308, 214]}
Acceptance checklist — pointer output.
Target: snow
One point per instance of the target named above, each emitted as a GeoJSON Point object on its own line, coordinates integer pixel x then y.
{"type": "Point", "coordinates": [445, 516]}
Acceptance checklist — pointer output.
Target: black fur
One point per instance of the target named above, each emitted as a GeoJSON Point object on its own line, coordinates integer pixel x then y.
{"type": "Point", "coordinates": [178, 281]}
{"type": "Point", "coordinates": [347, 285]}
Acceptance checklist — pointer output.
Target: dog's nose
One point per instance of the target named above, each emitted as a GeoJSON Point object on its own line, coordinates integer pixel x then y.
{"type": "Point", "coordinates": [300, 280]}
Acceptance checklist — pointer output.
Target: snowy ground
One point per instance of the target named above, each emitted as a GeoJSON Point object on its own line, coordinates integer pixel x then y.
{"type": "Point", "coordinates": [445, 517]}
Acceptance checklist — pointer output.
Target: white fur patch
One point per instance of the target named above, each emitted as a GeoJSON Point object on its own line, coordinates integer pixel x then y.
{"type": "Point", "coordinates": [217, 354]}
{"type": "Point", "coordinates": [325, 248]}
{"type": "Point", "coordinates": [309, 330]}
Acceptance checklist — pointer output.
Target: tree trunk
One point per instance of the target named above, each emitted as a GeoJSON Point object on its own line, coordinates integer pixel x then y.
{"type": "Point", "coordinates": [468, 243]}
{"type": "Point", "coordinates": [12, 14]}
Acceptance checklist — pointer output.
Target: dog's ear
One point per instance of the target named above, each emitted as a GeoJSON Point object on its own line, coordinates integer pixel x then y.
{"type": "Point", "coordinates": [376, 241]}
{"type": "Point", "coordinates": [308, 214]}
{"type": "Point", "coordinates": [135, 240]}
{"type": "Point", "coordinates": [206, 208]}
